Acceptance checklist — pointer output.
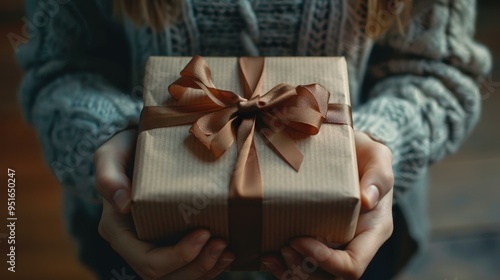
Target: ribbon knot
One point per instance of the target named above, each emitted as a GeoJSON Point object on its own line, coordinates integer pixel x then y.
{"type": "Point", "coordinates": [249, 107]}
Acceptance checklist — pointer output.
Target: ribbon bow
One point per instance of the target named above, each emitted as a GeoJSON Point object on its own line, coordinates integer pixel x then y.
{"type": "Point", "coordinates": [220, 117]}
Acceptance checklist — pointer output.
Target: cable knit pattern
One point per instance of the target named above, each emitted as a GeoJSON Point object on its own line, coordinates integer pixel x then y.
{"type": "Point", "coordinates": [279, 23]}
{"type": "Point", "coordinates": [70, 137]}
{"type": "Point", "coordinates": [414, 92]}
{"type": "Point", "coordinates": [423, 106]}
{"type": "Point", "coordinates": [321, 28]}
{"type": "Point", "coordinates": [220, 25]}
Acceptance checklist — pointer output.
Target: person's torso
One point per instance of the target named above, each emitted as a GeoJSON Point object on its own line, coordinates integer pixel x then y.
{"type": "Point", "coordinates": [254, 27]}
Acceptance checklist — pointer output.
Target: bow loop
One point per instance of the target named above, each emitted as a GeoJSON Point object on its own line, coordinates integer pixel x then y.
{"type": "Point", "coordinates": [196, 79]}
{"type": "Point", "coordinates": [197, 69]}
{"type": "Point", "coordinates": [307, 111]}
{"type": "Point", "coordinates": [278, 95]}
{"type": "Point", "coordinates": [215, 130]}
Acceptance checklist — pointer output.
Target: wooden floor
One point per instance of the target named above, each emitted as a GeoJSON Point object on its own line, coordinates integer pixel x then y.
{"type": "Point", "coordinates": [464, 195]}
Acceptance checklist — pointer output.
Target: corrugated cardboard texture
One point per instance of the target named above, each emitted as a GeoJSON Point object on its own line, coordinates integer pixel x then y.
{"type": "Point", "coordinates": [179, 186]}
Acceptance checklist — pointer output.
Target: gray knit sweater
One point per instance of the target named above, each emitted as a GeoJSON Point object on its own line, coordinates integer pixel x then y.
{"type": "Point", "coordinates": [416, 92]}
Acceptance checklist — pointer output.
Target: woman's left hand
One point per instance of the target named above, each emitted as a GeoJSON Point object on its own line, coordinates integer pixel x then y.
{"type": "Point", "coordinates": [308, 258]}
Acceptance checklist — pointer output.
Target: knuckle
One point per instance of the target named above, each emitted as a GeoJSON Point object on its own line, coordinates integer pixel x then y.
{"type": "Point", "coordinates": [101, 228]}
{"type": "Point", "coordinates": [103, 183]}
{"type": "Point", "coordinates": [384, 150]}
{"type": "Point", "coordinates": [99, 182]}
{"type": "Point", "coordinates": [203, 267]}
{"type": "Point", "coordinates": [184, 256]}
{"type": "Point", "coordinates": [388, 177]}
{"type": "Point", "coordinates": [100, 153]}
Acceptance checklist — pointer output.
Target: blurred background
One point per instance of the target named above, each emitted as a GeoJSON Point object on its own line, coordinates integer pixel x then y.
{"type": "Point", "coordinates": [464, 196]}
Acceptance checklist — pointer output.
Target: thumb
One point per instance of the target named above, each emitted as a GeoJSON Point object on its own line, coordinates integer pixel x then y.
{"type": "Point", "coordinates": [375, 169]}
{"type": "Point", "coordinates": [112, 160]}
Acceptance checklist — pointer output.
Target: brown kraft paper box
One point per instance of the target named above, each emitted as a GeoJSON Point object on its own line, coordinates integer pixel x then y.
{"type": "Point", "coordinates": [178, 185]}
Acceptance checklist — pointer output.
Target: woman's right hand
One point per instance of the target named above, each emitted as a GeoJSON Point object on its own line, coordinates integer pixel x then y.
{"type": "Point", "coordinates": [196, 256]}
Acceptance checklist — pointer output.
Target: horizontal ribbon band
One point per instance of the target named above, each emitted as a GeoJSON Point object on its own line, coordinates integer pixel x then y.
{"type": "Point", "coordinates": [220, 117]}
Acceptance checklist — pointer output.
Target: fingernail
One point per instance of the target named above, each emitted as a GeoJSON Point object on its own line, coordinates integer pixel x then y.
{"type": "Point", "coordinates": [269, 265]}
{"type": "Point", "coordinates": [215, 251]}
{"type": "Point", "coordinates": [225, 262]}
{"type": "Point", "coordinates": [294, 246]}
{"type": "Point", "coordinates": [372, 194]}
{"type": "Point", "coordinates": [321, 252]}
{"type": "Point", "coordinates": [287, 255]}
{"type": "Point", "coordinates": [121, 199]}
{"type": "Point", "coordinates": [201, 239]}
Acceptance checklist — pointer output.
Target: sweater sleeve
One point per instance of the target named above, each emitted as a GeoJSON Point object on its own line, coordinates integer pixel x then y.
{"type": "Point", "coordinates": [422, 92]}
{"type": "Point", "coordinates": [73, 92]}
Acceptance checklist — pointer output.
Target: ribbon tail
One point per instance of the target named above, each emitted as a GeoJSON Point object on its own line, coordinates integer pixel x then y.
{"type": "Point", "coordinates": [246, 181]}
{"type": "Point", "coordinates": [245, 202]}
{"type": "Point", "coordinates": [285, 147]}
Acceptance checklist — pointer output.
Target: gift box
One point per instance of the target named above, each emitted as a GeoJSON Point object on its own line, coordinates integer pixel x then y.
{"type": "Point", "coordinates": [257, 150]}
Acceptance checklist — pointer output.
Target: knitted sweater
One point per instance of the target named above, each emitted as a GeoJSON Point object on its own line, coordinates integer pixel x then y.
{"type": "Point", "coordinates": [416, 92]}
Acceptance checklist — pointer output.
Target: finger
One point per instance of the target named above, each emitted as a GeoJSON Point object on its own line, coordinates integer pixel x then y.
{"type": "Point", "coordinates": [375, 169]}
{"type": "Point", "coordinates": [302, 267]}
{"type": "Point", "coordinates": [111, 182]}
{"type": "Point", "coordinates": [349, 263]}
{"type": "Point", "coordinates": [296, 265]}
{"type": "Point", "coordinates": [275, 264]}
{"type": "Point", "coordinates": [112, 222]}
{"type": "Point", "coordinates": [203, 263]}
{"type": "Point", "coordinates": [165, 260]}
{"type": "Point", "coordinates": [292, 259]}
{"type": "Point", "coordinates": [111, 161]}
{"type": "Point", "coordinates": [224, 261]}
{"type": "Point", "coordinates": [149, 261]}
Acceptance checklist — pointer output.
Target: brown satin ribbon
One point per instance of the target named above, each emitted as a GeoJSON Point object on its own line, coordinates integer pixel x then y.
{"type": "Point", "coordinates": [220, 117]}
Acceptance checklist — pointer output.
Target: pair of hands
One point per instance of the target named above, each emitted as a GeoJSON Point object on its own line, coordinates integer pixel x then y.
{"type": "Point", "coordinates": [198, 256]}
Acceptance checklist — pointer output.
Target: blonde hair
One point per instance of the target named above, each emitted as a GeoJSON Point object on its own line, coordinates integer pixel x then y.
{"type": "Point", "coordinates": [154, 13]}
{"type": "Point", "coordinates": [381, 14]}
